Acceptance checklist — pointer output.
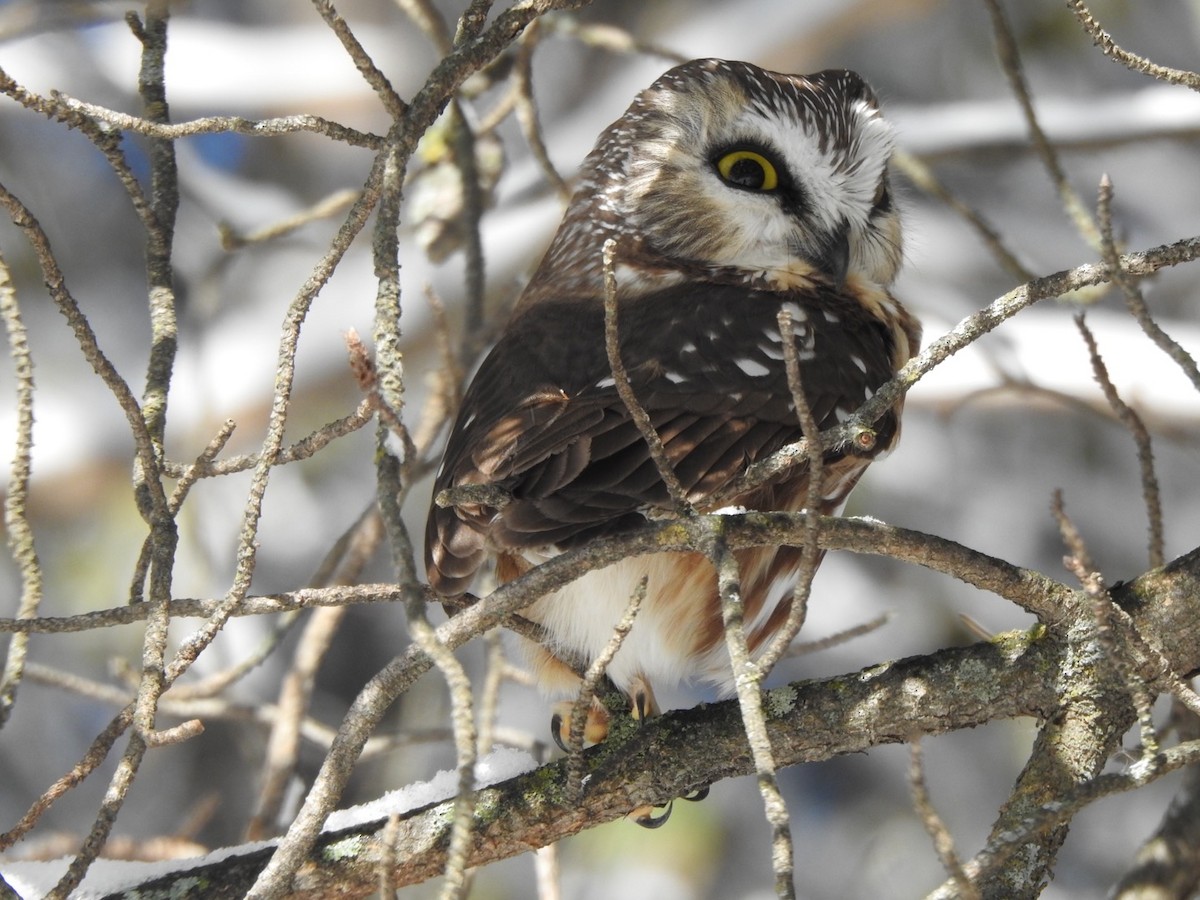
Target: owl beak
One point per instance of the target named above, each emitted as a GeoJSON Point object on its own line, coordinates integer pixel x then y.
{"type": "Point", "coordinates": [836, 259]}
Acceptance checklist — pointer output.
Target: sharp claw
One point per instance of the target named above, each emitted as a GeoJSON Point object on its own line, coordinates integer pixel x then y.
{"type": "Point", "coordinates": [649, 820]}
{"type": "Point", "coordinates": [640, 703]}
{"type": "Point", "coordinates": [556, 722]}
{"type": "Point", "coordinates": [697, 795]}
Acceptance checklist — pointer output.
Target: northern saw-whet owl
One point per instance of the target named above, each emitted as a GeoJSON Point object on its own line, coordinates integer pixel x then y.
{"type": "Point", "coordinates": [732, 193]}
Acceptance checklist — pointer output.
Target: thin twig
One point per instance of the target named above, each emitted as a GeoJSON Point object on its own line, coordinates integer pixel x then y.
{"type": "Point", "coordinates": [387, 862]}
{"type": "Point", "coordinates": [362, 60]}
{"type": "Point", "coordinates": [810, 552]}
{"type": "Point", "coordinates": [305, 448]}
{"type": "Point", "coordinates": [17, 529]}
{"type": "Point", "coordinates": [495, 671]}
{"type": "Point", "coordinates": [1151, 497]}
{"type": "Point", "coordinates": [591, 681]}
{"type": "Point", "coordinates": [612, 38]}
{"type": "Point", "coordinates": [916, 171]}
{"type": "Point", "coordinates": [838, 638]}
{"type": "Point", "coordinates": [149, 491]}
{"type": "Point", "coordinates": [747, 679]}
{"type": "Point", "coordinates": [527, 111]}
{"type": "Point", "coordinates": [1133, 295]}
{"type": "Point", "coordinates": [612, 345]}
{"type": "Point", "coordinates": [281, 758]}
{"type": "Point", "coordinates": [1104, 41]}
{"type": "Point", "coordinates": [84, 115]}
{"type": "Point", "coordinates": [93, 757]}
{"type": "Point", "coordinates": [467, 162]}
{"type": "Point", "coordinates": [1062, 809]}
{"type": "Point", "coordinates": [445, 390]}
{"type": "Point", "coordinates": [1010, 62]}
{"type": "Point", "coordinates": [85, 335]}
{"type": "Point", "coordinates": [335, 203]}
{"type": "Point", "coordinates": [1168, 864]}
{"type": "Point", "coordinates": [943, 842]}
{"type": "Point", "coordinates": [546, 875]}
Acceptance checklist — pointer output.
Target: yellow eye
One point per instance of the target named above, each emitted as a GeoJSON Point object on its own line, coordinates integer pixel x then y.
{"type": "Point", "coordinates": [749, 170]}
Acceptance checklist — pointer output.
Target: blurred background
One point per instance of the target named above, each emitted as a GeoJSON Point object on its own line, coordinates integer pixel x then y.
{"type": "Point", "coordinates": [987, 438]}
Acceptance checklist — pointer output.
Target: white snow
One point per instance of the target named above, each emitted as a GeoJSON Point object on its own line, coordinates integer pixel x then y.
{"type": "Point", "coordinates": [35, 879]}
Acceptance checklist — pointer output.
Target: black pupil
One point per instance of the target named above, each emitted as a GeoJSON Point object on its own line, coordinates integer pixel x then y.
{"type": "Point", "coordinates": [747, 173]}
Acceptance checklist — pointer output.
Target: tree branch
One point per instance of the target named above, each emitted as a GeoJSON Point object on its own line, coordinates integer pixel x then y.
{"type": "Point", "coordinates": [1014, 674]}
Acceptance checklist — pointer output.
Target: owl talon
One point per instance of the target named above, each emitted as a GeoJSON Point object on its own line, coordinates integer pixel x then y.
{"type": "Point", "coordinates": [644, 816]}
{"type": "Point", "coordinates": [595, 728]}
{"type": "Point", "coordinates": [644, 704]}
{"type": "Point", "coordinates": [639, 706]}
{"type": "Point", "coordinates": [556, 732]}
{"type": "Point", "coordinates": [697, 795]}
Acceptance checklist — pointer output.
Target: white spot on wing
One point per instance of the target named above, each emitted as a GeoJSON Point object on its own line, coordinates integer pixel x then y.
{"type": "Point", "coordinates": [771, 351]}
{"type": "Point", "coordinates": [751, 367]}
{"type": "Point", "coordinates": [794, 310]}
{"type": "Point", "coordinates": [606, 382]}
{"type": "Point", "coordinates": [858, 361]}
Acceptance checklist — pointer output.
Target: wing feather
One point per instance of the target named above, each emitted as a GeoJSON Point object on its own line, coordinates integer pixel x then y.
{"type": "Point", "coordinates": [542, 419]}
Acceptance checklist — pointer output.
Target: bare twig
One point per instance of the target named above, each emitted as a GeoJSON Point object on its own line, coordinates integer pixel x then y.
{"type": "Point", "coordinates": [281, 758]}
{"type": "Point", "coordinates": [90, 116]}
{"type": "Point", "coordinates": [808, 721]}
{"type": "Point", "coordinates": [545, 867]}
{"type": "Point", "coordinates": [335, 203]}
{"type": "Point", "coordinates": [612, 38]}
{"type": "Point", "coordinates": [527, 112]}
{"type": "Point", "coordinates": [1046, 818]}
{"type": "Point", "coordinates": [463, 142]}
{"type": "Point", "coordinates": [67, 305]}
{"type": "Point", "coordinates": [305, 448]}
{"type": "Point", "coordinates": [362, 60]}
{"type": "Point", "coordinates": [431, 21]}
{"type": "Point", "coordinates": [1168, 864]}
{"type": "Point", "coordinates": [149, 491]}
{"type": "Point", "coordinates": [1133, 295]}
{"type": "Point", "coordinates": [16, 516]}
{"type": "Point", "coordinates": [1141, 437]}
{"type": "Point", "coordinates": [591, 681]}
{"type": "Point", "coordinates": [1104, 41]}
{"type": "Point", "coordinates": [943, 842]}
{"type": "Point", "coordinates": [810, 552]}
{"type": "Point", "coordinates": [612, 345]}
{"type": "Point", "coordinates": [747, 678]}
{"type": "Point", "coordinates": [1010, 61]}
{"type": "Point", "coordinates": [922, 176]}
{"type": "Point", "coordinates": [839, 638]}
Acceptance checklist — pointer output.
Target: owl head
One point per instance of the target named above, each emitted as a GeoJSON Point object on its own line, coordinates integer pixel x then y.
{"type": "Point", "coordinates": [726, 166]}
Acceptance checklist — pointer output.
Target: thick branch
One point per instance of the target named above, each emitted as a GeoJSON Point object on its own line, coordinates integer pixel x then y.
{"type": "Point", "coordinates": [1014, 674]}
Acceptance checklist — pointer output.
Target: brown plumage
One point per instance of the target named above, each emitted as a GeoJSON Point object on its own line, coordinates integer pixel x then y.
{"type": "Point", "coordinates": [732, 193]}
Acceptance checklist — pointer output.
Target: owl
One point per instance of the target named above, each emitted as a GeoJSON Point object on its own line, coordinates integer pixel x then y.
{"type": "Point", "coordinates": [731, 193]}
